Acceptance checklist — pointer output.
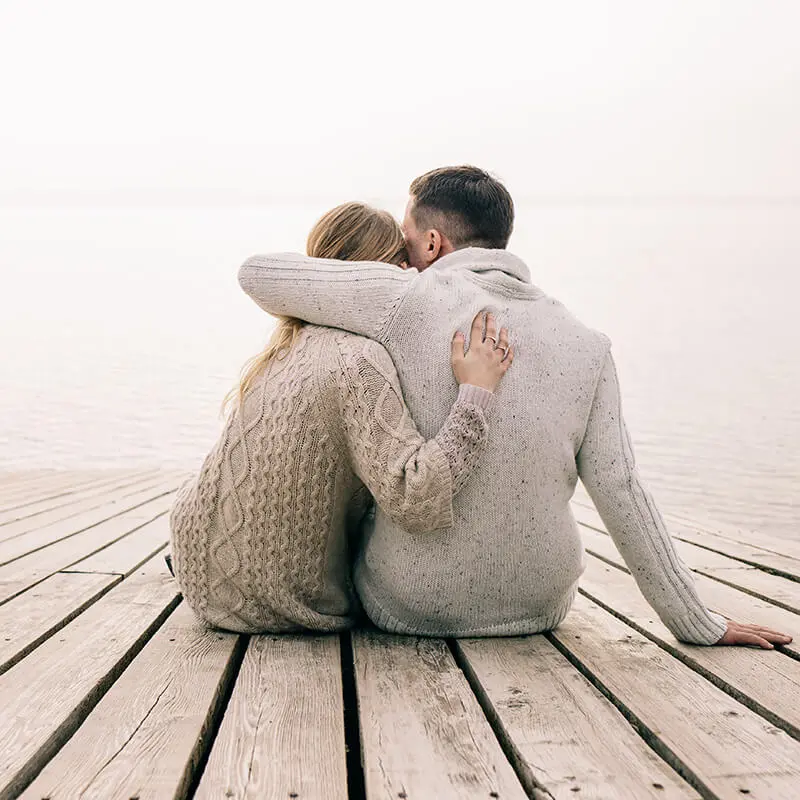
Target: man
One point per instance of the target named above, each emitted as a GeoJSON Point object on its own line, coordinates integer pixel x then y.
{"type": "Point", "coordinates": [510, 563]}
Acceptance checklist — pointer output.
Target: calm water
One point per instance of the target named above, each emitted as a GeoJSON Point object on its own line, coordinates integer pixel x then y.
{"type": "Point", "coordinates": [122, 330]}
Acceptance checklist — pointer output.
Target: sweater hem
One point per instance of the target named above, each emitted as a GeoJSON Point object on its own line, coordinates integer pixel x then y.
{"type": "Point", "coordinates": [386, 621]}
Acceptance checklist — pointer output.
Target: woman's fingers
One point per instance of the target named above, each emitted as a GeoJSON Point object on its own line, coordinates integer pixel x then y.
{"type": "Point", "coordinates": [491, 329]}
{"type": "Point", "coordinates": [457, 347]}
{"type": "Point", "coordinates": [476, 335]}
{"type": "Point", "coordinates": [502, 343]}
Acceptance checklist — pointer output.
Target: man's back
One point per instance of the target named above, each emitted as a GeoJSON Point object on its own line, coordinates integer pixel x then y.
{"type": "Point", "coordinates": [511, 560]}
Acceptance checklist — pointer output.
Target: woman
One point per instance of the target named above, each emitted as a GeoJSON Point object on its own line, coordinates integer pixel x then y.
{"type": "Point", "coordinates": [261, 538]}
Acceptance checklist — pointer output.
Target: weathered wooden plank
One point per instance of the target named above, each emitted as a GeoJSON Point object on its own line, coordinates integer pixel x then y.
{"type": "Point", "coordinates": [283, 731]}
{"type": "Point", "coordinates": [56, 485]}
{"type": "Point", "coordinates": [720, 597]}
{"type": "Point", "coordinates": [12, 478]}
{"type": "Point", "coordinates": [728, 570]}
{"type": "Point", "coordinates": [145, 737]}
{"type": "Point", "coordinates": [47, 535]}
{"type": "Point", "coordinates": [761, 681]}
{"type": "Point", "coordinates": [746, 554]}
{"type": "Point", "coordinates": [127, 553]}
{"type": "Point", "coordinates": [29, 570]}
{"type": "Point", "coordinates": [45, 511]}
{"type": "Point", "coordinates": [46, 696]}
{"type": "Point", "coordinates": [32, 617]}
{"type": "Point", "coordinates": [714, 741]}
{"type": "Point", "coordinates": [750, 538]}
{"type": "Point", "coordinates": [423, 733]}
{"type": "Point", "coordinates": [560, 729]}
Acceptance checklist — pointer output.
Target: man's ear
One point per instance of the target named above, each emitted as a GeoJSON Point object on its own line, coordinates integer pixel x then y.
{"type": "Point", "coordinates": [433, 245]}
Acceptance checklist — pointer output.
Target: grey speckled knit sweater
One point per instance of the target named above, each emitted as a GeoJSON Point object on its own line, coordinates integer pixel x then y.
{"type": "Point", "coordinates": [511, 561]}
{"type": "Point", "coordinates": [260, 538]}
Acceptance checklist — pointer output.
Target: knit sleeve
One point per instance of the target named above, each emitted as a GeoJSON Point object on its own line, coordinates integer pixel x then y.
{"type": "Point", "coordinates": [361, 297]}
{"type": "Point", "coordinates": [607, 468]}
{"type": "Point", "coordinates": [412, 480]}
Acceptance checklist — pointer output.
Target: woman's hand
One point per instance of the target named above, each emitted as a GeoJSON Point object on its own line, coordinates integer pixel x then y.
{"type": "Point", "coordinates": [746, 634]}
{"type": "Point", "coordinates": [488, 357]}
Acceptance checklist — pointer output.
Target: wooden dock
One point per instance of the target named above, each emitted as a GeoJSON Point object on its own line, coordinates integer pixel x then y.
{"type": "Point", "coordinates": [110, 689]}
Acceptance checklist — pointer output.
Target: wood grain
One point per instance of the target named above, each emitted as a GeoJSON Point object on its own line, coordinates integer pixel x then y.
{"type": "Point", "coordinates": [283, 731]}
{"type": "Point", "coordinates": [145, 737]}
{"type": "Point", "coordinates": [751, 555]}
{"type": "Point", "coordinates": [708, 736]}
{"type": "Point", "coordinates": [58, 484]}
{"type": "Point", "coordinates": [74, 508]}
{"type": "Point", "coordinates": [749, 579]}
{"type": "Point", "coordinates": [47, 695]}
{"type": "Point", "coordinates": [30, 618]}
{"type": "Point", "coordinates": [561, 729]}
{"type": "Point", "coordinates": [762, 679]}
{"type": "Point", "coordinates": [129, 552]}
{"type": "Point", "coordinates": [31, 569]}
{"type": "Point", "coordinates": [727, 600]}
{"type": "Point", "coordinates": [59, 530]}
{"type": "Point", "coordinates": [423, 733]}
{"type": "Point", "coordinates": [107, 484]}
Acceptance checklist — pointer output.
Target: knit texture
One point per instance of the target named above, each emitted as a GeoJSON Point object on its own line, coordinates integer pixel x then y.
{"type": "Point", "coordinates": [511, 561]}
{"type": "Point", "coordinates": [262, 537]}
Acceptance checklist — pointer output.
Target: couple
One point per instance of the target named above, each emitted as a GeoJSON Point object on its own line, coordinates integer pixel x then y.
{"type": "Point", "coordinates": [472, 533]}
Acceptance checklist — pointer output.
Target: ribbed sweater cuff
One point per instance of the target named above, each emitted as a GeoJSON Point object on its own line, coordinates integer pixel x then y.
{"type": "Point", "coordinates": [475, 395]}
{"type": "Point", "coordinates": [695, 628]}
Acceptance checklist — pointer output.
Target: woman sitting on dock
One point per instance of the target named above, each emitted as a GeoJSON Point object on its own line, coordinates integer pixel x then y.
{"type": "Point", "coordinates": [261, 537]}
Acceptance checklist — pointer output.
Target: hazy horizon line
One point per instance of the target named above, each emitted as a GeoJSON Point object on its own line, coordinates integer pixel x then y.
{"type": "Point", "coordinates": [94, 201]}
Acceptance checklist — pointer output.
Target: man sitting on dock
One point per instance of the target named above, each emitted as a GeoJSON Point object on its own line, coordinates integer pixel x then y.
{"type": "Point", "coordinates": [509, 565]}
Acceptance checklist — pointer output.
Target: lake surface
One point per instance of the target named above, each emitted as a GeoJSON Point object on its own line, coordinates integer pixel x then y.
{"type": "Point", "coordinates": [122, 329]}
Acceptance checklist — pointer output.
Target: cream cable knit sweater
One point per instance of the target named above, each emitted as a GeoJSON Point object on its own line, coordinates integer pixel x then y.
{"type": "Point", "coordinates": [511, 560]}
{"type": "Point", "coordinates": [261, 537]}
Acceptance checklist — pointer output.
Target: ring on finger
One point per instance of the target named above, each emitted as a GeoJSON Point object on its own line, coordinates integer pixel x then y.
{"type": "Point", "coordinates": [504, 349]}
{"type": "Point", "coordinates": [494, 341]}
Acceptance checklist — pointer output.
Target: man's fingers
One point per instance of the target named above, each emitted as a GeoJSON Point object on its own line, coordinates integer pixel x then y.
{"type": "Point", "coordinates": [766, 633]}
{"type": "Point", "coordinates": [743, 637]}
{"type": "Point", "coordinates": [491, 329]}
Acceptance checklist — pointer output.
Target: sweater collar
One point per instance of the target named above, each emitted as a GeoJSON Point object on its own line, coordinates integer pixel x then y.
{"type": "Point", "coordinates": [479, 259]}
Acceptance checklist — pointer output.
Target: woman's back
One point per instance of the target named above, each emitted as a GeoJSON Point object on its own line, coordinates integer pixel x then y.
{"type": "Point", "coordinates": [248, 526]}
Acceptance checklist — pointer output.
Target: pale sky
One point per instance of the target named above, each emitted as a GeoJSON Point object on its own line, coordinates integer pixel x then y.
{"type": "Point", "coordinates": [178, 101]}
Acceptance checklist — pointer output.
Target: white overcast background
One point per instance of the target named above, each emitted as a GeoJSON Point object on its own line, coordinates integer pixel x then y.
{"type": "Point", "coordinates": [176, 103]}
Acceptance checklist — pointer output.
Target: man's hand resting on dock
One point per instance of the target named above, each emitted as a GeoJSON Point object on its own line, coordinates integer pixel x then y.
{"type": "Point", "coordinates": [739, 633]}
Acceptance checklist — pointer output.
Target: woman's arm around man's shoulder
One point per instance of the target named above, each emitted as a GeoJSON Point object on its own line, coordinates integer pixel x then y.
{"type": "Point", "coordinates": [361, 297]}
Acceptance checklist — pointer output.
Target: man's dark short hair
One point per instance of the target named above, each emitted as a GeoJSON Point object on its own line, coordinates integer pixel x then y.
{"type": "Point", "coordinates": [466, 204]}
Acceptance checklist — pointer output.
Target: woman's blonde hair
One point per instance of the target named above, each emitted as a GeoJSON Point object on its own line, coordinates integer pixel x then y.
{"type": "Point", "coordinates": [349, 232]}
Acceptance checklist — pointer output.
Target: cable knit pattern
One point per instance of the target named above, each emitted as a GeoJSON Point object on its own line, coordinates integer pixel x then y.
{"type": "Point", "coordinates": [260, 536]}
{"type": "Point", "coordinates": [511, 561]}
